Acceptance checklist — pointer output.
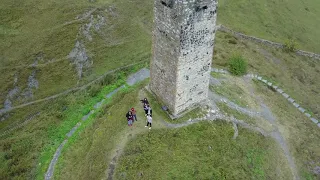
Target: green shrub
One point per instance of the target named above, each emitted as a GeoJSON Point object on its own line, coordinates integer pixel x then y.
{"type": "Point", "coordinates": [290, 45]}
{"type": "Point", "coordinates": [237, 65]}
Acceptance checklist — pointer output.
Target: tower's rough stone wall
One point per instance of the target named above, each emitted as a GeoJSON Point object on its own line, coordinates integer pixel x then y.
{"type": "Point", "coordinates": [183, 40]}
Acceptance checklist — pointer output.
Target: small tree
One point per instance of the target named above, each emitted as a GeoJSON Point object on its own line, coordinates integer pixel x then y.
{"type": "Point", "coordinates": [290, 45]}
{"type": "Point", "coordinates": [237, 65]}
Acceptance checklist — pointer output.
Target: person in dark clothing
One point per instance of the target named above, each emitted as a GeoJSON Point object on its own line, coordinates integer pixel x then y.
{"type": "Point", "coordinates": [149, 110]}
{"type": "Point", "coordinates": [145, 101]}
{"type": "Point", "coordinates": [127, 115]}
{"type": "Point", "coordinates": [130, 119]}
{"type": "Point", "coordinates": [145, 107]}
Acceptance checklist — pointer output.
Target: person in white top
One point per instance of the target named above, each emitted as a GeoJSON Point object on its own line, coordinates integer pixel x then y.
{"type": "Point", "coordinates": [149, 121]}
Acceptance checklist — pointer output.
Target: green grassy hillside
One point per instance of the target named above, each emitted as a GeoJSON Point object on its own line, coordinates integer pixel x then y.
{"type": "Point", "coordinates": [39, 36]}
{"type": "Point", "coordinates": [202, 151]}
{"type": "Point", "coordinates": [36, 38]}
{"type": "Point", "coordinates": [276, 20]}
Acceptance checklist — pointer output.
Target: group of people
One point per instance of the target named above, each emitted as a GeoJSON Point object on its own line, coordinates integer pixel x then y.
{"type": "Point", "coordinates": [132, 114]}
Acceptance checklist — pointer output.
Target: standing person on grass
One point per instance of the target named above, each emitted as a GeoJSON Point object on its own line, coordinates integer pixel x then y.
{"type": "Point", "coordinates": [146, 108]}
{"type": "Point", "coordinates": [149, 121]}
{"type": "Point", "coordinates": [127, 115]}
{"type": "Point", "coordinates": [134, 114]}
{"type": "Point", "coordinates": [129, 118]}
{"type": "Point", "coordinates": [145, 101]}
{"type": "Point", "coordinates": [149, 110]}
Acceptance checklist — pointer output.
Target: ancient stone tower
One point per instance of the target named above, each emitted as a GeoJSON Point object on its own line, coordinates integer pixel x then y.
{"type": "Point", "coordinates": [183, 39]}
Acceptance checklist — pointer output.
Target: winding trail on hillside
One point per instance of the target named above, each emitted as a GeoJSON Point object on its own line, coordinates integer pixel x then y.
{"type": "Point", "coordinates": [3, 111]}
{"type": "Point", "coordinates": [215, 114]}
{"type": "Point", "coordinates": [131, 80]}
{"type": "Point", "coordinates": [265, 113]}
{"type": "Point", "coordinates": [212, 115]}
{"type": "Point", "coordinates": [271, 86]}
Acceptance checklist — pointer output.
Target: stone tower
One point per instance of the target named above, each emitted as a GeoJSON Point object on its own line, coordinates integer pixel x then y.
{"type": "Point", "coordinates": [183, 39]}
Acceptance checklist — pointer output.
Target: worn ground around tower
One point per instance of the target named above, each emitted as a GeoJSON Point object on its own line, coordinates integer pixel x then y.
{"type": "Point", "coordinates": [246, 111]}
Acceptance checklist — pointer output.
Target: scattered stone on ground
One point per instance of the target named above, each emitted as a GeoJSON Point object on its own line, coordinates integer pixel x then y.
{"type": "Point", "coordinates": [112, 11]}
{"type": "Point", "coordinates": [100, 22]}
{"type": "Point", "coordinates": [13, 94]}
{"type": "Point", "coordinates": [32, 84]}
{"type": "Point", "coordinates": [285, 95]}
{"type": "Point", "coordinates": [301, 109]}
{"type": "Point", "coordinates": [296, 105]}
{"type": "Point", "coordinates": [280, 91]}
{"type": "Point", "coordinates": [4, 117]}
{"type": "Point", "coordinates": [86, 14]}
{"type": "Point", "coordinates": [85, 29]}
{"type": "Point", "coordinates": [79, 57]}
{"type": "Point", "coordinates": [314, 120]}
{"type": "Point", "coordinates": [316, 170]}
{"type": "Point", "coordinates": [16, 94]}
{"type": "Point", "coordinates": [291, 100]}
{"type": "Point", "coordinates": [275, 87]}
{"type": "Point", "coordinates": [308, 115]}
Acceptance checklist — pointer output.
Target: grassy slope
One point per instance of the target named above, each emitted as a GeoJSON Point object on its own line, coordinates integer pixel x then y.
{"type": "Point", "coordinates": [100, 139]}
{"type": "Point", "coordinates": [275, 20]}
{"type": "Point", "coordinates": [39, 29]}
{"type": "Point", "coordinates": [298, 76]}
{"type": "Point", "coordinates": [29, 28]}
{"type": "Point", "coordinates": [27, 151]}
{"type": "Point", "coordinates": [301, 134]}
{"type": "Point", "coordinates": [235, 90]}
{"type": "Point", "coordinates": [22, 148]}
{"type": "Point", "coordinates": [88, 156]}
{"type": "Point", "coordinates": [201, 151]}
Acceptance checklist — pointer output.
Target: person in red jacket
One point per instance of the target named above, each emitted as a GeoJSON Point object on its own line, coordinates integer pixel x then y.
{"type": "Point", "coordinates": [134, 114]}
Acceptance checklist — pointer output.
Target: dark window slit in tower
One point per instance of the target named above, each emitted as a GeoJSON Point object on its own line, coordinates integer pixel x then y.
{"type": "Point", "coordinates": [198, 8]}
{"type": "Point", "coordinates": [169, 5]}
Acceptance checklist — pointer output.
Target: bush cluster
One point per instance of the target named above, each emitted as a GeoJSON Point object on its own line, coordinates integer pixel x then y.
{"type": "Point", "coordinates": [237, 65]}
{"type": "Point", "coordinates": [290, 45]}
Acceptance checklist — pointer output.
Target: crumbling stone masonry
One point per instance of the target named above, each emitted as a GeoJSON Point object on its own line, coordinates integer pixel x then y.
{"type": "Point", "coordinates": [183, 40]}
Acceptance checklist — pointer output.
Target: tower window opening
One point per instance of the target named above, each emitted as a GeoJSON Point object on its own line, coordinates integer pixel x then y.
{"type": "Point", "coordinates": [198, 8]}
{"type": "Point", "coordinates": [169, 4]}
